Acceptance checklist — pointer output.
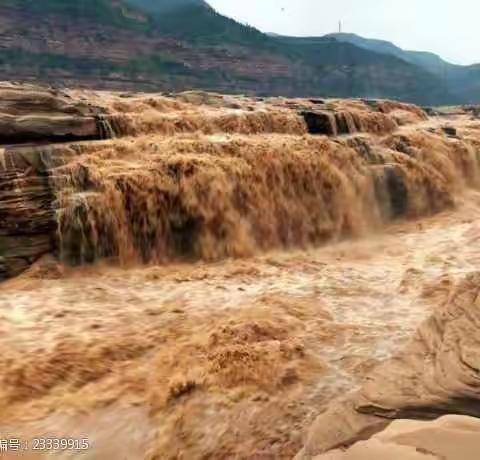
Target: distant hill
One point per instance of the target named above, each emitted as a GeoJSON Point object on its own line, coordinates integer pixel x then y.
{"type": "Point", "coordinates": [171, 45]}
{"type": "Point", "coordinates": [349, 70]}
{"type": "Point", "coordinates": [429, 61]}
{"type": "Point", "coordinates": [462, 81]}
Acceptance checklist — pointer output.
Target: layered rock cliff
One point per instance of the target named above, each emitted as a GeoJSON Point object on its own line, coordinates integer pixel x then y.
{"type": "Point", "coordinates": [30, 119]}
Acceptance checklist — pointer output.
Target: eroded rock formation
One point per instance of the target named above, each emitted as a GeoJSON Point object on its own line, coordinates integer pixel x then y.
{"type": "Point", "coordinates": [30, 118]}
{"type": "Point", "coordinates": [26, 211]}
{"type": "Point", "coordinates": [33, 114]}
{"type": "Point", "coordinates": [451, 437]}
{"type": "Point", "coordinates": [437, 374]}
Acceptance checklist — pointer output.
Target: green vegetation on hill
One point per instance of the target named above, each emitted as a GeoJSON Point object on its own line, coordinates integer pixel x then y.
{"type": "Point", "coordinates": [428, 61]}
{"type": "Point", "coordinates": [157, 7]}
{"type": "Point", "coordinates": [210, 51]}
{"type": "Point", "coordinates": [40, 63]}
{"type": "Point", "coordinates": [462, 81]}
{"type": "Point", "coordinates": [108, 12]}
{"type": "Point", "coordinates": [196, 21]}
{"type": "Point", "coordinates": [207, 26]}
{"type": "Point", "coordinates": [349, 70]}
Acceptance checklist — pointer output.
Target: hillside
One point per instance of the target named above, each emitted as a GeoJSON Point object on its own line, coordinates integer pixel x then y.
{"type": "Point", "coordinates": [429, 61]}
{"type": "Point", "coordinates": [348, 70]}
{"type": "Point", "coordinates": [462, 81]}
{"type": "Point", "coordinates": [156, 7]}
{"type": "Point", "coordinates": [172, 46]}
{"type": "Point", "coordinates": [105, 12]}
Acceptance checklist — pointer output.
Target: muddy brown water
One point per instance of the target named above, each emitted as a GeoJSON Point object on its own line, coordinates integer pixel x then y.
{"type": "Point", "coordinates": [231, 359]}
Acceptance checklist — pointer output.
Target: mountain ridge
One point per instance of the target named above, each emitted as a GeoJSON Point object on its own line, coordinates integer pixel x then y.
{"type": "Point", "coordinates": [457, 77]}
{"type": "Point", "coordinates": [430, 61]}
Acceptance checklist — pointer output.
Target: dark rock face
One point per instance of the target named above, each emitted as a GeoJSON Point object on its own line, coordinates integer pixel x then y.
{"type": "Point", "coordinates": [397, 190]}
{"type": "Point", "coordinates": [320, 122]}
{"type": "Point", "coordinates": [430, 111]}
{"type": "Point", "coordinates": [437, 374]}
{"type": "Point", "coordinates": [474, 110]}
{"type": "Point", "coordinates": [450, 131]}
{"type": "Point", "coordinates": [27, 217]}
{"type": "Point", "coordinates": [16, 130]}
{"type": "Point", "coordinates": [39, 115]}
{"type": "Point", "coordinates": [330, 123]}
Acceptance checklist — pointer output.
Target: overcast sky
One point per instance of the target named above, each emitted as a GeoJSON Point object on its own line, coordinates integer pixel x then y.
{"type": "Point", "coordinates": [450, 28]}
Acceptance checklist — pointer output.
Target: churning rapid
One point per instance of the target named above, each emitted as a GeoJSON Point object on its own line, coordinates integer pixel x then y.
{"type": "Point", "coordinates": [209, 196]}
{"type": "Point", "coordinates": [198, 276]}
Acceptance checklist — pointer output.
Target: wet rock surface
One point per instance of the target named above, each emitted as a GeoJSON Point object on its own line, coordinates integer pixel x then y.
{"type": "Point", "coordinates": [27, 220]}
{"type": "Point", "coordinates": [31, 118]}
{"type": "Point", "coordinates": [36, 114]}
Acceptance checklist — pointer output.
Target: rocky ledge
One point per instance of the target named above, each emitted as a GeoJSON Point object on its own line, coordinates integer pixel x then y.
{"type": "Point", "coordinates": [437, 374]}
{"type": "Point", "coordinates": [452, 437]}
{"type": "Point", "coordinates": [31, 118]}
{"type": "Point", "coordinates": [35, 114]}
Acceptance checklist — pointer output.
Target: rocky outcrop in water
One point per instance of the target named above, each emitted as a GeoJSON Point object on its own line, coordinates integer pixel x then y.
{"type": "Point", "coordinates": [27, 218]}
{"type": "Point", "coordinates": [33, 114]}
{"type": "Point", "coordinates": [30, 117]}
{"type": "Point", "coordinates": [437, 374]}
